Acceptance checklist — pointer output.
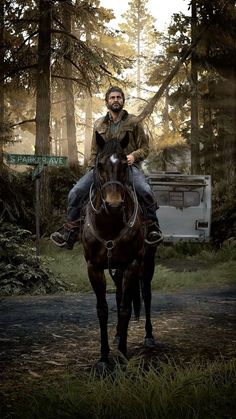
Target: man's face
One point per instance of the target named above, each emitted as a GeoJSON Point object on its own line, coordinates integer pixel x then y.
{"type": "Point", "coordinates": [115, 102]}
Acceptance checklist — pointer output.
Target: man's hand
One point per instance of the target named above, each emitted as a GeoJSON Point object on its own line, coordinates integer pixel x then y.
{"type": "Point", "coordinates": [130, 159]}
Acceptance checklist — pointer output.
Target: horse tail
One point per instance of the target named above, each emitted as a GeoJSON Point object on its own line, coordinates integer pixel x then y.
{"type": "Point", "coordinates": [136, 298]}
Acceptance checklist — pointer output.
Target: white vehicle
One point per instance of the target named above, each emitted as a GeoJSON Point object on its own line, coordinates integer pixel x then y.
{"type": "Point", "coordinates": [184, 205]}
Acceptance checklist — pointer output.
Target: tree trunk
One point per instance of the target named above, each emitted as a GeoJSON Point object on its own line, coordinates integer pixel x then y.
{"type": "Point", "coordinates": [88, 128]}
{"type": "Point", "coordinates": [166, 130]}
{"type": "Point", "coordinates": [2, 48]}
{"type": "Point", "coordinates": [234, 122]}
{"type": "Point", "coordinates": [69, 96]}
{"type": "Point", "coordinates": [43, 105]}
{"type": "Point", "coordinates": [195, 161]}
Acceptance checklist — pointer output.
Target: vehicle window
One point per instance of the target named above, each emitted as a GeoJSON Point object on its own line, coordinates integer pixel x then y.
{"type": "Point", "coordinates": [178, 199]}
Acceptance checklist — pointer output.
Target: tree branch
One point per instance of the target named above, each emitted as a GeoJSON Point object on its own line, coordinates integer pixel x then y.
{"type": "Point", "coordinates": [69, 78]}
{"type": "Point", "coordinates": [148, 109]}
{"type": "Point", "coordinates": [72, 62]}
{"type": "Point", "coordinates": [23, 20]}
{"type": "Point", "coordinates": [22, 122]}
{"type": "Point", "coordinates": [70, 35]}
{"type": "Point", "coordinates": [17, 70]}
{"type": "Point", "coordinates": [24, 42]}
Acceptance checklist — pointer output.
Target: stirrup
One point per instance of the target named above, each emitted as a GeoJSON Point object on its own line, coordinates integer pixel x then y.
{"type": "Point", "coordinates": [154, 242]}
{"type": "Point", "coordinates": [58, 239]}
{"type": "Point", "coordinates": [66, 239]}
{"type": "Point", "coordinates": [155, 232]}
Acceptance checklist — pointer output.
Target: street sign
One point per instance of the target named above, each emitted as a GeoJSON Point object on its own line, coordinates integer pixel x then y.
{"type": "Point", "coordinates": [38, 162]}
{"type": "Point", "coordinates": [33, 160]}
{"type": "Point", "coordinates": [37, 170]}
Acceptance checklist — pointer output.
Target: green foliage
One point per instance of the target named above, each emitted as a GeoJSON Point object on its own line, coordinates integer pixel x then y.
{"type": "Point", "coordinates": [224, 211]}
{"type": "Point", "coordinates": [61, 181]}
{"type": "Point", "coordinates": [183, 266]}
{"type": "Point", "coordinates": [181, 249]}
{"type": "Point", "coordinates": [18, 191]}
{"type": "Point", "coordinates": [193, 275]}
{"type": "Point", "coordinates": [194, 391]}
{"type": "Point", "coordinates": [21, 272]}
{"type": "Point", "coordinates": [226, 252]}
{"type": "Point", "coordinates": [70, 265]}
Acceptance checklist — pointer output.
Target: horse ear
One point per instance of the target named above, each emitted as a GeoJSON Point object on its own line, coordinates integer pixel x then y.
{"type": "Point", "coordinates": [99, 140]}
{"type": "Point", "coordinates": [125, 141]}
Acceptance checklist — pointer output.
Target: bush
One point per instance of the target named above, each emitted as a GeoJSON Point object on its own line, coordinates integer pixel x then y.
{"type": "Point", "coordinates": [21, 272]}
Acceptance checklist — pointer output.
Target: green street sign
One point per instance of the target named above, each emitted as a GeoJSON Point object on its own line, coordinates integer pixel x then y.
{"type": "Point", "coordinates": [37, 170]}
{"type": "Point", "coordinates": [38, 162]}
{"type": "Point", "coordinates": [33, 160]}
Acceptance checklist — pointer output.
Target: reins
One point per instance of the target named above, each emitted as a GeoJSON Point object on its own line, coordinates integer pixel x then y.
{"type": "Point", "coordinates": [110, 244]}
{"type": "Point", "coordinates": [98, 187]}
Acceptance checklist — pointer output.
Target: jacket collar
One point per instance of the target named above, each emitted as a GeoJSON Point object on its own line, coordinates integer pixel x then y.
{"type": "Point", "coordinates": [123, 117]}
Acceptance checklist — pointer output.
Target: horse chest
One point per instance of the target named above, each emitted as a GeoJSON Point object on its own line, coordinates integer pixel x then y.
{"type": "Point", "coordinates": [114, 253]}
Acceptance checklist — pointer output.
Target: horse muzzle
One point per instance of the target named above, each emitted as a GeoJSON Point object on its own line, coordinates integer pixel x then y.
{"type": "Point", "coordinates": [114, 200]}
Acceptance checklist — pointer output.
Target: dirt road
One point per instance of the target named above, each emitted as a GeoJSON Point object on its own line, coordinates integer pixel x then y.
{"type": "Point", "coordinates": [53, 333]}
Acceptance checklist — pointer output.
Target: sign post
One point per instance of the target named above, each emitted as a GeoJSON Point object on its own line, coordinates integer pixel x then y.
{"type": "Point", "coordinates": [38, 162]}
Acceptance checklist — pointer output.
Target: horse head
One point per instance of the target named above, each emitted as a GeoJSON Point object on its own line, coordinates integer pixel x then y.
{"type": "Point", "coordinates": [111, 170]}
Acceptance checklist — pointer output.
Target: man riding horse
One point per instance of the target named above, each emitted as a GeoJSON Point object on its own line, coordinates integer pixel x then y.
{"type": "Point", "coordinates": [115, 124]}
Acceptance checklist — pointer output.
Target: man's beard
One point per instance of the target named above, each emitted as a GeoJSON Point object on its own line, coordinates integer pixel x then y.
{"type": "Point", "coordinates": [115, 107]}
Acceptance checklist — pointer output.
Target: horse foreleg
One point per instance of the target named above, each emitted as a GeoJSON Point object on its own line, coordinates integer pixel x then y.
{"type": "Point", "coordinates": [98, 282]}
{"type": "Point", "coordinates": [118, 283]}
{"type": "Point", "coordinates": [129, 278]}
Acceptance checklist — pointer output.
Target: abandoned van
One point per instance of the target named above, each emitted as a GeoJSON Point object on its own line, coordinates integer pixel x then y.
{"type": "Point", "coordinates": [184, 205]}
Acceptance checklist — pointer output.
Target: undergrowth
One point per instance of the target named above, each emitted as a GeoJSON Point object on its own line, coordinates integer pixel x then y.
{"type": "Point", "coordinates": [219, 267]}
{"type": "Point", "coordinates": [136, 391]}
{"type": "Point", "coordinates": [21, 272]}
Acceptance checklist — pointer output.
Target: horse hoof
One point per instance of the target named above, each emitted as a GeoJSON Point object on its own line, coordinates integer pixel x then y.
{"type": "Point", "coordinates": [101, 368]}
{"type": "Point", "coordinates": [149, 342]}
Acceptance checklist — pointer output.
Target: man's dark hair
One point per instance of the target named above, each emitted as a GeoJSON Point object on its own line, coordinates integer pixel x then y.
{"type": "Point", "coordinates": [114, 89]}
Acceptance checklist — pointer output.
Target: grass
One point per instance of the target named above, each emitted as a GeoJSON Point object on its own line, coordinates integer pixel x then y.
{"type": "Point", "coordinates": [218, 275]}
{"type": "Point", "coordinates": [219, 267]}
{"type": "Point", "coordinates": [166, 392]}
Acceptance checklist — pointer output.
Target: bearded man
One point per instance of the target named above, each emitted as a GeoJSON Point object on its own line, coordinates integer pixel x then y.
{"type": "Point", "coordinates": [115, 124]}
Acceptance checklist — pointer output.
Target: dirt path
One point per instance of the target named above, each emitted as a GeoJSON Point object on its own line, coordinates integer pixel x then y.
{"type": "Point", "coordinates": [56, 333]}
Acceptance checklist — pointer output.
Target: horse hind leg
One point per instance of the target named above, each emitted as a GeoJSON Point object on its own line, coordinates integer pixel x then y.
{"type": "Point", "coordinates": [147, 274]}
{"type": "Point", "coordinates": [136, 299]}
{"type": "Point", "coordinates": [129, 282]}
{"type": "Point", "coordinates": [149, 340]}
{"type": "Point", "coordinates": [117, 278]}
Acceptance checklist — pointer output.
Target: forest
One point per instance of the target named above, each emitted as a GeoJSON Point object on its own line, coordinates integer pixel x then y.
{"type": "Point", "coordinates": [57, 61]}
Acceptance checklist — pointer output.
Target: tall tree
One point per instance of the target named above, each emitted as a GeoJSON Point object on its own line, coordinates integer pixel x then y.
{"type": "Point", "coordinates": [68, 83]}
{"type": "Point", "coordinates": [43, 95]}
{"type": "Point", "coordinates": [43, 107]}
{"type": "Point", "coordinates": [195, 161]}
{"type": "Point", "coordinates": [139, 27]}
{"type": "Point", "coordinates": [2, 119]}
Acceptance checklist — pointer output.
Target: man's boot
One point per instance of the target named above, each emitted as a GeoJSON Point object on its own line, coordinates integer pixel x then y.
{"type": "Point", "coordinates": [153, 236]}
{"type": "Point", "coordinates": [67, 235]}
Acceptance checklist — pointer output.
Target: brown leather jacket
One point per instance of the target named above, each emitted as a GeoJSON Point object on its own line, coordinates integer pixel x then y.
{"type": "Point", "coordinates": [138, 139]}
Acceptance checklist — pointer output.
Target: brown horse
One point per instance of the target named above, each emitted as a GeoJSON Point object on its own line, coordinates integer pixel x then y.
{"type": "Point", "coordinates": [113, 239]}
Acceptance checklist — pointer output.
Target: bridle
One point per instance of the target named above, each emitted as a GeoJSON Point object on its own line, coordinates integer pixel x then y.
{"type": "Point", "coordinates": [127, 190]}
{"type": "Point", "coordinates": [131, 192]}
{"type": "Point", "coordinates": [99, 186]}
